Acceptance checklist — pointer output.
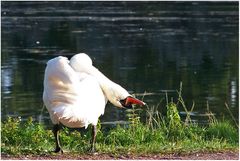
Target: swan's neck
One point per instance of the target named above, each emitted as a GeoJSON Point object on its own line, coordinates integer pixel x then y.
{"type": "Point", "coordinates": [112, 91]}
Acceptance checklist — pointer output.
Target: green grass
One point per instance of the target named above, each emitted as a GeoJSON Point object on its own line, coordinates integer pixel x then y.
{"type": "Point", "coordinates": [160, 134]}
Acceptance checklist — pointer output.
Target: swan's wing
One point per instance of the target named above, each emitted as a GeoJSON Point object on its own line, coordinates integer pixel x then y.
{"type": "Point", "coordinates": [90, 104]}
{"type": "Point", "coordinates": [60, 83]}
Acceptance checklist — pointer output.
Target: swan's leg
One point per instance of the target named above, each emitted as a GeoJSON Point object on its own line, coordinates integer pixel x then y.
{"type": "Point", "coordinates": [94, 134]}
{"type": "Point", "coordinates": [55, 130]}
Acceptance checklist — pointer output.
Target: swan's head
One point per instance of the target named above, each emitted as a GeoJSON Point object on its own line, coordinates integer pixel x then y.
{"type": "Point", "coordinates": [81, 62]}
{"type": "Point", "coordinates": [129, 101]}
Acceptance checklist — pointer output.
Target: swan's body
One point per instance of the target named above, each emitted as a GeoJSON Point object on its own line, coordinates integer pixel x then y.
{"type": "Point", "coordinates": [73, 99]}
{"type": "Point", "coordinates": [75, 93]}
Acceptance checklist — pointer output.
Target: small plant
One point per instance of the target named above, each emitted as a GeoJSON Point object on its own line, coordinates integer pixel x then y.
{"type": "Point", "coordinates": [133, 117]}
{"type": "Point", "coordinates": [173, 118]}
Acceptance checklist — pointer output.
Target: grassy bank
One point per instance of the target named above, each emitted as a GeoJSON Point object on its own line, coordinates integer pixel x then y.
{"type": "Point", "coordinates": [158, 134]}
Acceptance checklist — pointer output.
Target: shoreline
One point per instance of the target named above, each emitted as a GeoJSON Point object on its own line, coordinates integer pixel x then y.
{"type": "Point", "coordinates": [219, 155]}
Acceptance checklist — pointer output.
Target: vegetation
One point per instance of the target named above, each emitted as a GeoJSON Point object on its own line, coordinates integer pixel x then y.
{"type": "Point", "coordinates": [158, 134]}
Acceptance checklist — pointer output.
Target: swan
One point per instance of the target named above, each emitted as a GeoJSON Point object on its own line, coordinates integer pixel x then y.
{"type": "Point", "coordinates": [75, 94]}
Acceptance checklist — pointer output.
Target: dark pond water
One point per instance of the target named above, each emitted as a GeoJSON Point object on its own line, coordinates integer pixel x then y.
{"type": "Point", "coordinates": [147, 47]}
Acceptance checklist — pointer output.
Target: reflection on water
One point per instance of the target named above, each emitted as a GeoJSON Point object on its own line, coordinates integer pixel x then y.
{"type": "Point", "coordinates": [147, 47]}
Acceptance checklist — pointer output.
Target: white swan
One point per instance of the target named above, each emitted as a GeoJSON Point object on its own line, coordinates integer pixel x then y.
{"type": "Point", "coordinates": [75, 94]}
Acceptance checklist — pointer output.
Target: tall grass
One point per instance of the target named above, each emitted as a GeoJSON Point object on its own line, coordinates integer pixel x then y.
{"type": "Point", "coordinates": [158, 134]}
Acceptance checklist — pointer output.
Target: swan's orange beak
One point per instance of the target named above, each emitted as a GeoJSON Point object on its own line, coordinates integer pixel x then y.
{"type": "Point", "coordinates": [129, 101]}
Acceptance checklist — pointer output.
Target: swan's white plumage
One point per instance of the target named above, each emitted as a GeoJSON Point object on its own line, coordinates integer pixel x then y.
{"type": "Point", "coordinates": [114, 92]}
{"type": "Point", "coordinates": [81, 62]}
{"type": "Point", "coordinates": [72, 98]}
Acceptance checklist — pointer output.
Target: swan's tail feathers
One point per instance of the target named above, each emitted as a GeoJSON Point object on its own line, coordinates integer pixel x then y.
{"type": "Point", "coordinates": [70, 117]}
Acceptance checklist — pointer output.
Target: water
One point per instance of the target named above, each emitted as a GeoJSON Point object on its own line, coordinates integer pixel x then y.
{"type": "Point", "coordinates": [147, 47]}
